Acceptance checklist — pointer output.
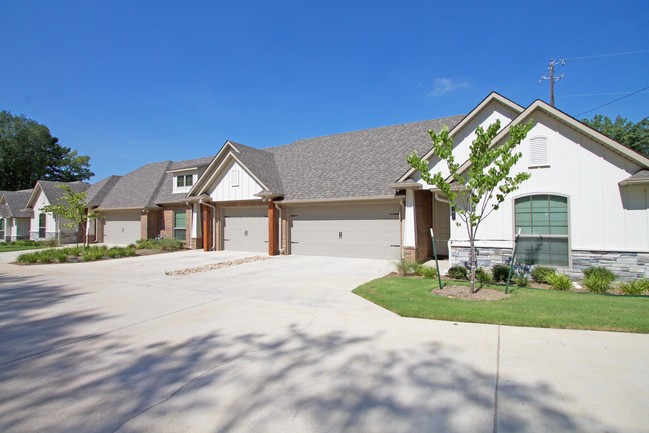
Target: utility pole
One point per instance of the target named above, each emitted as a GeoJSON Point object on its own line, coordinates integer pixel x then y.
{"type": "Point", "coordinates": [552, 78]}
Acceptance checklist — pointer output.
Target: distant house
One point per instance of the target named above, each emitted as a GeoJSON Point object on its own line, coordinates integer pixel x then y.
{"type": "Point", "coordinates": [45, 225]}
{"type": "Point", "coordinates": [14, 218]}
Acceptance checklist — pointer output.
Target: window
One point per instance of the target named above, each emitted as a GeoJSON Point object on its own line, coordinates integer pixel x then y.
{"type": "Point", "coordinates": [543, 221]}
{"type": "Point", "coordinates": [2, 229]}
{"type": "Point", "coordinates": [539, 152]}
{"type": "Point", "coordinates": [41, 226]}
{"type": "Point", "coordinates": [180, 225]}
{"type": "Point", "coordinates": [184, 180]}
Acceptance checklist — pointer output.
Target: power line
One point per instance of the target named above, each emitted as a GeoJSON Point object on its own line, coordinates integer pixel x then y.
{"type": "Point", "coordinates": [606, 55]}
{"type": "Point", "coordinates": [609, 103]}
{"type": "Point", "coordinates": [597, 94]}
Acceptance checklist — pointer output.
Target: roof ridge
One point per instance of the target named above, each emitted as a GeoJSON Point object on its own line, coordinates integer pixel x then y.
{"type": "Point", "coordinates": [358, 131]}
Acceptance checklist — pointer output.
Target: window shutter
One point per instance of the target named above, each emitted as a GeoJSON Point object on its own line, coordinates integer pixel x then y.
{"type": "Point", "coordinates": [539, 152]}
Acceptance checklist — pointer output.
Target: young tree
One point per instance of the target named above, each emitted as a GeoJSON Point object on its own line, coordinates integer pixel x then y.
{"type": "Point", "coordinates": [478, 190]}
{"type": "Point", "coordinates": [74, 210]}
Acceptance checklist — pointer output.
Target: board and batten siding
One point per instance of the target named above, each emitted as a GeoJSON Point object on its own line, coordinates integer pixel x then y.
{"type": "Point", "coordinates": [603, 216]}
{"type": "Point", "coordinates": [234, 184]}
{"type": "Point", "coordinates": [464, 138]}
{"type": "Point", "coordinates": [50, 224]}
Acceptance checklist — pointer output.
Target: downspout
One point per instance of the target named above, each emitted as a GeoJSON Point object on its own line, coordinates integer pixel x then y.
{"type": "Point", "coordinates": [402, 210]}
{"type": "Point", "coordinates": [213, 223]}
{"type": "Point", "coordinates": [281, 249]}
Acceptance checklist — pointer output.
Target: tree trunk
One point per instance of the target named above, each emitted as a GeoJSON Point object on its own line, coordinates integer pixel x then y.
{"type": "Point", "coordinates": [472, 262]}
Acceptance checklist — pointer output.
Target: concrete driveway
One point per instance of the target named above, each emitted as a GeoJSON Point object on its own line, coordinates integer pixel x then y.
{"type": "Point", "coordinates": [282, 345]}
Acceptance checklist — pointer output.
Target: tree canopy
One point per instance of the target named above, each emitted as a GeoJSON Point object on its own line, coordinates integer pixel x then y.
{"type": "Point", "coordinates": [635, 136]}
{"type": "Point", "coordinates": [29, 152]}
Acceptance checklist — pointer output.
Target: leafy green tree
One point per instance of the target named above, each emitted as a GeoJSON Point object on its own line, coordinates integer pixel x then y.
{"type": "Point", "coordinates": [75, 210]}
{"type": "Point", "coordinates": [29, 153]}
{"type": "Point", "coordinates": [477, 191]}
{"type": "Point", "coordinates": [635, 136]}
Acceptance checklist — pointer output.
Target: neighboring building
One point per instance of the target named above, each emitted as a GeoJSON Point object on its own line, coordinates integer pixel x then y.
{"type": "Point", "coordinates": [14, 218]}
{"type": "Point", "coordinates": [148, 202]}
{"type": "Point", "coordinates": [45, 225]}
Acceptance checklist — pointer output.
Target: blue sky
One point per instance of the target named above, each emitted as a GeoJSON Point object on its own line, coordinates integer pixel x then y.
{"type": "Point", "coordinates": [132, 82]}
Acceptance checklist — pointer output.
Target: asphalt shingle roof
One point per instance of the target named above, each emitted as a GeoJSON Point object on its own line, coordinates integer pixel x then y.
{"type": "Point", "coordinates": [137, 188]}
{"type": "Point", "coordinates": [16, 203]}
{"type": "Point", "coordinates": [354, 164]}
{"type": "Point", "coordinates": [165, 191]}
{"type": "Point", "coordinates": [54, 193]}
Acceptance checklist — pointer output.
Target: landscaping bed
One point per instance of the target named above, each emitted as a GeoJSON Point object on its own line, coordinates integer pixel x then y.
{"type": "Point", "coordinates": [597, 303]}
{"type": "Point", "coordinates": [94, 253]}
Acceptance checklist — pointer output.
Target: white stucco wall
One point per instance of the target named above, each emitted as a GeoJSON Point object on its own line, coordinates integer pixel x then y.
{"type": "Point", "coordinates": [226, 189]}
{"type": "Point", "coordinates": [602, 215]}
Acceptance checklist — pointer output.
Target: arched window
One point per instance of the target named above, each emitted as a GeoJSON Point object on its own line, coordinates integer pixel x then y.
{"type": "Point", "coordinates": [543, 221]}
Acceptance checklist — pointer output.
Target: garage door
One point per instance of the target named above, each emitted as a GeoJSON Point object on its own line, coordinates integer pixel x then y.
{"type": "Point", "coordinates": [245, 229]}
{"type": "Point", "coordinates": [122, 227]}
{"type": "Point", "coordinates": [371, 231]}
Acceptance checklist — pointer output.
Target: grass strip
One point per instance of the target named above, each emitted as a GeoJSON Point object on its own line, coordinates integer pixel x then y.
{"type": "Point", "coordinates": [410, 297]}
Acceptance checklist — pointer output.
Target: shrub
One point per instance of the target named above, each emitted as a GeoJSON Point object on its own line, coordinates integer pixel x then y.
{"type": "Point", "coordinates": [114, 252]}
{"type": "Point", "coordinates": [93, 253]}
{"type": "Point", "coordinates": [27, 258]}
{"type": "Point", "coordinates": [500, 273]}
{"type": "Point", "coordinates": [74, 251]}
{"type": "Point", "coordinates": [600, 272]}
{"type": "Point", "coordinates": [483, 277]}
{"type": "Point", "coordinates": [426, 271]}
{"type": "Point", "coordinates": [635, 287]}
{"type": "Point", "coordinates": [406, 267]}
{"type": "Point", "coordinates": [162, 244]}
{"type": "Point", "coordinates": [61, 256]}
{"type": "Point", "coordinates": [542, 274]}
{"type": "Point", "coordinates": [597, 283]}
{"type": "Point", "coordinates": [50, 243]}
{"type": "Point", "coordinates": [458, 272]}
{"type": "Point", "coordinates": [521, 280]}
{"type": "Point", "coordinates": [129, 252]}
{"type": "Point", "coordinates": [598, 279]}
{"type": "Point", "coordinates": [558, 281]}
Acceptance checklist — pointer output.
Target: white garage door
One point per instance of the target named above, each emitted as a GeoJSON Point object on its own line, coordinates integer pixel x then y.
{"type": "Point", "coordinates": [122, 227]}
{"type": "Point", "coordinates": [368, 230]}
{"type": "Point", "coordinates": [245, 229]}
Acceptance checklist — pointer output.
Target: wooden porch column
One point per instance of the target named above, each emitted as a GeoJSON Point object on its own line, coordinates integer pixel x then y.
{"type": "Point", "coordinates": [207, 233]}
{"type": "Point", "coordinates": [272, 229]}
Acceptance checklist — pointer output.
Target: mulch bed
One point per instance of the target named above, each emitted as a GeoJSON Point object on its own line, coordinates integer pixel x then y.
{"type": "Point", "coordinates": [464, 292]}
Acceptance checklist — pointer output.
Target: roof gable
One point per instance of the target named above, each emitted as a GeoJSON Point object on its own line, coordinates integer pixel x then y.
{"type": "Point", "coordinates": [598, 137]}
{"type": "Point", "coordinates": [53, 191]}
{"type": "Point", "coordinates": [492, 103]}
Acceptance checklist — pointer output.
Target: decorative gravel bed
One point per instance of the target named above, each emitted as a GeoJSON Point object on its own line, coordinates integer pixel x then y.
{"type": "Point", "coordinates": [221, 265]}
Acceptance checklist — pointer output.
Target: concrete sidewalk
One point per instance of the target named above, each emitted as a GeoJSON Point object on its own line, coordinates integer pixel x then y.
{"type": "Point", "coordinates": [282, 345]}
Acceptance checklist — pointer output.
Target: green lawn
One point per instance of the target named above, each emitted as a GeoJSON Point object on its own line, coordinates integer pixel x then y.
{"type": "Point", "coordinates": [7, 247]}
{"type": "Point", "coordinates": [411, 297]}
